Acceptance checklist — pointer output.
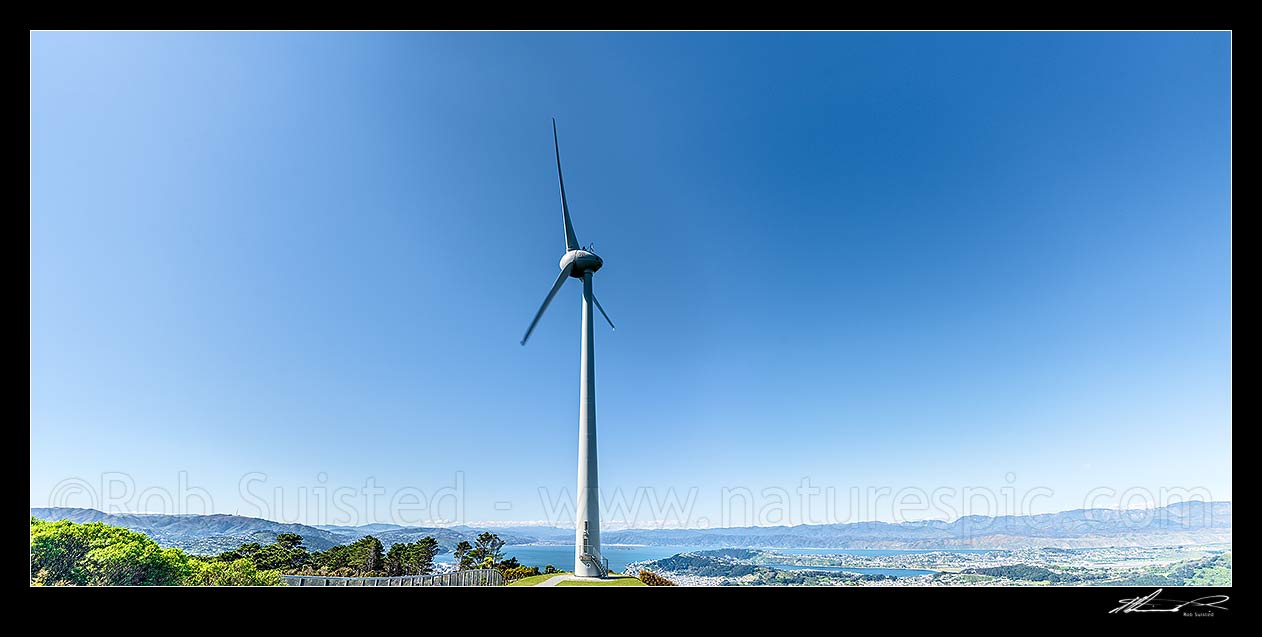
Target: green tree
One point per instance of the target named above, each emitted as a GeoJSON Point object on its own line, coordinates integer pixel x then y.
{"type": "Point", "coordinates": [286, 554]}
{"type": "Point", "coordinates": [248, 550]}
{"type": "Point", "coordinates": [290, 541]}
{"type": "Point", "coordinates": [464, 561]}
{"type": "Point", "coordinates": [241, 572]}
{"type": "Point", "coordinates": [518, 572]}
{"type": "Point", "coordinates": [371, 555]}
{"type": "Point", "coordinates": [416, 558]}
{"type": "Point", "coordinates": [64, 553]}
{"type": "Point", "coordinates": [487, 546]}
{"type": "Point", "coordinates": [97, 554]}
{"type": "Point", "coordinates": [363, 557]}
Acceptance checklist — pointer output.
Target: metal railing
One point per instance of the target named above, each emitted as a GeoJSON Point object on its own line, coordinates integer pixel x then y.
{"type": "Point", "coordinates": [475, 577]}
{"type": "Point", "coordinates": [599, 561]}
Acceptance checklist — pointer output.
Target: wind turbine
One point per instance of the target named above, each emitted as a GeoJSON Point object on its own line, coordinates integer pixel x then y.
{"type": "Point", "coordinates": [581, 263]}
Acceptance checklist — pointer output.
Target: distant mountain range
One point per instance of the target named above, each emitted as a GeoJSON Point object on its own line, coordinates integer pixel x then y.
{"type": "Point", "coordinates": [1183, 523]}
{"type": "Point", "coordinates": [198, 534]}
{"type": "Point", "coordinates": [212, 534]}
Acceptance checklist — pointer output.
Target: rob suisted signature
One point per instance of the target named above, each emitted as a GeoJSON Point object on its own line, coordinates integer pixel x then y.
{"type": "Point", "coordinates": [1153, 604]}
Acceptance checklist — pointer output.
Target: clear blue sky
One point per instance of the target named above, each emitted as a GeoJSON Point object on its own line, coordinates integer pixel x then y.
{"type": "Point", "coordinates": [874, 260]}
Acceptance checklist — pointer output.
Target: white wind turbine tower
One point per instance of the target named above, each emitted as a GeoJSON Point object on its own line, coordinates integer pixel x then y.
{"type": "Point", "coordinates": [581, 263]}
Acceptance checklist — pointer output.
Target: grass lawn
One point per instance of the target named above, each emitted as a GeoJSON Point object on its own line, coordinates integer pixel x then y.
{"type": "Point", "coordinates": [536, 579]}
{"type": "Point", "coordinates": [612, 580]}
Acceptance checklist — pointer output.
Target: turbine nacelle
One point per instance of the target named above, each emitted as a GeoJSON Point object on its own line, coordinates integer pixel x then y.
{"type": "Point", "coordinates": [581, 261]}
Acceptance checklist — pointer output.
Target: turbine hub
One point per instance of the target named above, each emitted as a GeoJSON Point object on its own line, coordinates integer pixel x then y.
{"type": "Point", "coordinates": [583, 261]}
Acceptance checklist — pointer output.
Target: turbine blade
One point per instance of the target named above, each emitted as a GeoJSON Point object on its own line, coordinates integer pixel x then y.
{"type": "Point", "coordinates": [602, 311]}
{"type": "Point", "coordinates": [571, 242]}
{"type": "Point", "coordinates": [555, 286]}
